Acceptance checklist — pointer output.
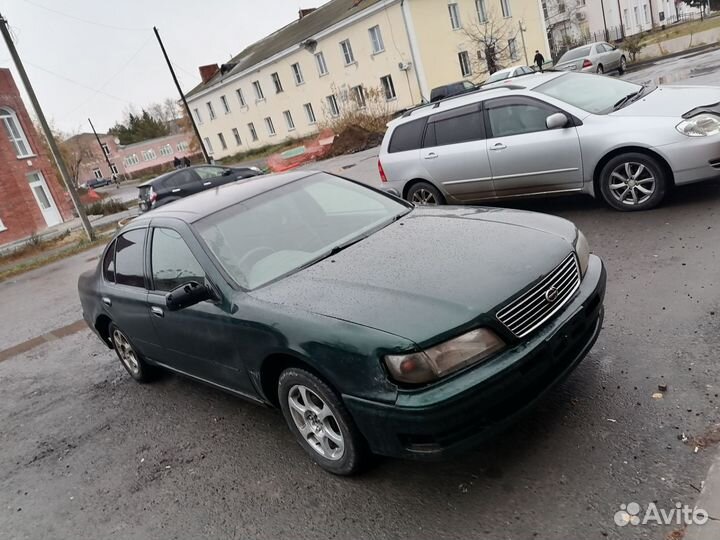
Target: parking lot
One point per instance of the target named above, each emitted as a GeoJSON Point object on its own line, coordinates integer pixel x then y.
{"type": "Point", "coordinates": [88, 453]}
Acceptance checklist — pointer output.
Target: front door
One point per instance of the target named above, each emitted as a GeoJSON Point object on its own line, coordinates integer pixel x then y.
{"type": "Point", "coordinates": [525, 156]}
{"type": "Point", "coordinates": [454, 153]}
{"type": "Point", "coordinates": [214, 176]}
{"type": "Point", "coordinates": [44, 199]}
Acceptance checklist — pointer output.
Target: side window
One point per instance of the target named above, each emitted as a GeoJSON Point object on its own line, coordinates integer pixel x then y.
{"type": "Point", "coordinates": [129, 259]}
{"type": "Point", "coordinates": [179, 179]}
{"type": "Point", "coordinates": [173, 264]}
{"type": "Point", "coordinates": [407, 136]}
{"type": "Point", "coordinates": [514, 117]}
{"type": "Point", "coordinates": [461, 125]}
{"type": "Point", "coordinates": [205, 173]}
{"type": "Point", "coordinates": [108, 266]}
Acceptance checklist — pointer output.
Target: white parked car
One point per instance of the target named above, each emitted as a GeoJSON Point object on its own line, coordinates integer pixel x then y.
{"type": "Point", "coordinates": [598, 57]}
{"type": "Point", "coordinates": [506, 75]}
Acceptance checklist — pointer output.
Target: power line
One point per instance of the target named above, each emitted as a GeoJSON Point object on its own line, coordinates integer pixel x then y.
{"type": "Point", "coordinates": [63, 77]}
{"type": "Point", "coordinates": [86, 21]}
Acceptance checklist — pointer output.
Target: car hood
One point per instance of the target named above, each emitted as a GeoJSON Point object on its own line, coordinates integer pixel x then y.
{"type": "Point", "coordinates": [671, 101]}
{"type": "Point", "coordinates": [431, 272]}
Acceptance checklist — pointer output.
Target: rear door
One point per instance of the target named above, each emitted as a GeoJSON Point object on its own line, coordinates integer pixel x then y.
{"type": "Point", "coordinates": [181, 184]}
{"type": "Point", "coordinates": [454, 153]}
{"type": "Point", "coordinates": [525, 156]}
{"type": "Point", "coordinates": [214, 176]}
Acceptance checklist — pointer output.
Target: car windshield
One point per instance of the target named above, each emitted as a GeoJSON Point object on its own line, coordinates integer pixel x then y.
{"type": "Point", "coordinates": [574, 54]}
{"type": "Point", "coordinates": [590, 93]}
{"type": "Point", "coordinates": [498, 76]}
{"type": "Point", "coordinates": [291, 227]}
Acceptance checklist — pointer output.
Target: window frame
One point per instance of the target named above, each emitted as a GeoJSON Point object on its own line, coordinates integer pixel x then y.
{"type": "Point", "coordinates": [270, 126]}
{"type": "Point", "coordinates": [513, 49]}
{"type": "Point", "coordinates": [253, 132]}
{"type": "Point", "coordinates": [391, 86]}
{"type": "Point", "coordinates": [105, 148]}
{"type": "Point", "coordinates": [225, 104]}
{"type": "Point", "coordinates": [211, 110]}
{"type": "Point", "coordinates": [454, 12]}
{"type": "Point", "coordinates": [465, 64]}
{"type": "Point", "coordinates": [223, 142]}
{"type": "Point", "coordinates": [236, 134]}
{"type": "Point", "coordinates": [97, 173]}
{"type": "Point", "coordinates": [275, 78]}
{"type": "Point", "coordinates": [347, 52]}
{"type": "Point", "coordinates": [376, 40]}
{"type": "Point", "coordinates": [297, 74]}
{"type": "Point", "coordinates": [359, 96]}
{"type": "Point", "coordinates": [289, 122]}
{"type": "Point", "coordinates": [144, 259]}
{"type": "Point", "coordinates": [198, 118]}
{"type": "Point", "coordinates": [481, 9]}
{"type": "Point", "coordinates": [454, 113]}
{"type": "Point", "coordinates": [10, 118]}
{"type": "Point", "coordinates": [241, 97]}
{"type": "Point", "coordinates": [321, 64]}
{"type": "Point", "coordinates": [111, 246]}
{"type": "Point", "coordinates": [149, 238]}
{"type": "Point", "coordinates": [520, 100]}
{"type": "Point", "coordinates": [208, 145]}
{"type": "Point", "coordinates": [505, 9]}
{"type": "Point", "coordinates": [310, 113]}
{"type": "Point", "coordinates": [333, 105]}
{"type": "Point", "coordinates": [259, 94]}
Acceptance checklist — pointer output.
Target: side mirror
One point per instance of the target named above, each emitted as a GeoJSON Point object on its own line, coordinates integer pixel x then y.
{"type": "Point", "coordinates": [227, 172]}
{"type": "Point", "coordinates": [556, 121]}
{"type": "Point", "coordinates": [187, 295]}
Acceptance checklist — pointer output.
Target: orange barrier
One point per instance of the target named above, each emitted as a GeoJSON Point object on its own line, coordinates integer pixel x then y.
{"type": "Point", "coordinates": [314, 150]}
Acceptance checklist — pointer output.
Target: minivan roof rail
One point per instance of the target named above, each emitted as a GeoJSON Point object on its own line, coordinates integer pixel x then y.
{"type": "Point", "coordinates": [436, 104]}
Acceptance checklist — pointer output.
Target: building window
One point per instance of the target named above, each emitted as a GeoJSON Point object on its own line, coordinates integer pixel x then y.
{"type": "Point", "coordinates": [211, 110]}
{"type": "Point", "coordinates": [505, 6]}
{"type": "Point", "coordinates": [148, 154]}
{"type": "Point", "coordinates": [253, 132]}
{"type": "Point", "coordinates": [131, 160]}
{"type": "Point", "coordinates": [388, 87]}
{"type": "Point", "coordinates": [358, 96]}
{"type": "Point", "coordinates": [259, 96]}
{"type": "Point", "coordinates": [333, 106]}
{"type": "Point", "coordinates": [482, 10]}
{"type": "Point", "coordinates": [98, 173]}
{"type": "Point", "coordinates": [166, 150]}
{"type": "Point", "coordinates": [309, 113]}
{"type": "Point", "coordinates": [105, 148]}
{"type": "Point", "coordinates": [198, 118]}
{"type": "Point", "coordinates": [15, 133]}
{"type": "Point", "coordinates": [276, 81]}
{"type": "Point", "coordinates": [225, 104]}
{"type": "Point", "coordinates": [208, 145]}
{"type": "Point", "coordinates": [347, 52]}
{"type": "Point", "coordinates": [114, 169]}
{"type": "Point", "coordinates": [545, 10]}
{"type": "Point", "coordinates": [289, 120]}
{"type": "Point", "coordinates": [241, 97]}
{"type": "Point", "coordinates": [321, 65]}
{"type": "Point", "coordinates": [376, 40]}
{"type": "Point", "coordinates": [512, 48]}
{"type": "Point", "coordinates": [454, 16]}
{"type": "Point", "coordinates": [270, 126]}
{"type": "Point", "coordinates": [223, 144]}
{"type": "Point", "coordinates": [182, 146]}
{"type": "Point", "coordinates": [236, 134]}
{"type": "Point", "coordinates": [465, 67]}
{"type": "Point", "coordinates": [297, 74]}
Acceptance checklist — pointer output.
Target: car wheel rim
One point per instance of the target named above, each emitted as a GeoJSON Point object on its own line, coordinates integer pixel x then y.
{"type": "Point", "coordinates": [126, 352]}
{"type": "Point", "coordinates": [316, 422]}
{"type": "Point", "coordinates": [423, 197]}
{"type": "Point", "coordinates": [632, 183]}
{"type": "Point", "coordinates": [623, 63]}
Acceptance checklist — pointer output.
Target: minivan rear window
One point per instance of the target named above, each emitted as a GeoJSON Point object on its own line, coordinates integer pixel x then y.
{"type": "Point", "coordinates": [453, 127]}
{"type": "Point", "coordinates": [407, 136]}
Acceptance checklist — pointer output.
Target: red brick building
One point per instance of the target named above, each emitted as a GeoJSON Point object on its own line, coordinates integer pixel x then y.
{"type": "Point", "coordinates": [31, 196]}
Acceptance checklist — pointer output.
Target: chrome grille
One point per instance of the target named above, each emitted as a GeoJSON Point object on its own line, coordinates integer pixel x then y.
{"type": "Point", "coordinates": [525, 314]}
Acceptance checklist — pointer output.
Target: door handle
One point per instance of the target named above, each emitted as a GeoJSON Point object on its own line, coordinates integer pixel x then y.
{"type": "Point", "coordinates": [157, 311]}
{"type": "Point", "coordinates": [207, 183]}
{"type": "Point", "coordinates": [498, 146]}
{"type": "Point", "coordinates": [106, 300]}
{"type": "Point", "coordinates": [431, 155]}
{"type": "Point", "coordinates": [176, 190]}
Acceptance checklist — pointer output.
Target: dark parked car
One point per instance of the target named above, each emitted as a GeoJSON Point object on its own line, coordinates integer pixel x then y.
{"type": "Point", "coordinates": [449, 90]}
{"type": "Point", "coordinates": [372, 324]}
{"type": "Point", "coordinates": [97, 182]}
{"type": "Point", "coordinates": [180, 183]}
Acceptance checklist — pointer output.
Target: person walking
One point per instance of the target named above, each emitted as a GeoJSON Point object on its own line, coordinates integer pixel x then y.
{"type": "Point", "coordinates": [186, 161]}
{"type": "Point", "coordinates": [539, 60]}
{"type": "Point", "coordinates": [176, 162]}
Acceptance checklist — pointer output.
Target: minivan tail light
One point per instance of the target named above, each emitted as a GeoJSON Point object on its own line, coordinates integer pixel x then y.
{"type": "Point", "coordinates": [587, 63]}
{"type": "Point", "coordinates": [382, 172]}
{"type": "Point", "coordinates": [153, 195]}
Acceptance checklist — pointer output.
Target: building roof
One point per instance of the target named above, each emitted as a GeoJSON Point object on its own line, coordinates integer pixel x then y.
{"type": "Point", "coordinates": [294, 33]}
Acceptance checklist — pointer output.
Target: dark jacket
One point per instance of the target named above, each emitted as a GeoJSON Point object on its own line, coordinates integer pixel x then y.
{"type": "Point", "coordinates": [539, 59]}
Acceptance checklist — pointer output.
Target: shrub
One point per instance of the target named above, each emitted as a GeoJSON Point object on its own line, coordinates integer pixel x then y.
{"type": "Point", "coordinates": [106, 207]}
{"type": "Point", "coordinates": [633, 45]}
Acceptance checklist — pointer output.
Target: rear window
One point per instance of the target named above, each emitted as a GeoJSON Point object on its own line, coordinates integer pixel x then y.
{"type": "Point", "coordinates": [179, 179]}
{"type": "Point", "coordinates": [574, 54]}
{"type": "Point", "coordinates": [407, 136]}
{"type": "Point", "coordinates": [109, 264]}
{"type": "Point", "coordinates": [129, 259]}
{"type": "Point", "coordinates": [461, 125]}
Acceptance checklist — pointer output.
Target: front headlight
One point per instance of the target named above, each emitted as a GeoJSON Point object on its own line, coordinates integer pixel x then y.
{"type": "Point", "coordinates": [438, 361]}
{"type": "Point", "coordinates": [701, 125]}
{"type": "Point", "coordinates": [582, 250]}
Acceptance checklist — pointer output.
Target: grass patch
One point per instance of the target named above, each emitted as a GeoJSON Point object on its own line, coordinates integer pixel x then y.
{"type": "Point", "coordinates": [106, 207]}
{"type": "Point", "coordinates": [264, 151]}
{"type": "Point", "coordinates": [682, 29]}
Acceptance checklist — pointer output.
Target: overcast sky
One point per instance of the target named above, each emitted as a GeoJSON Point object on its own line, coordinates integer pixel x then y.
{"type": "Point", "coordinates": [93, 58]}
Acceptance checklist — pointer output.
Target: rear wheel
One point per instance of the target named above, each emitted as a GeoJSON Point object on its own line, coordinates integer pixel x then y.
{"type": "Point", "coordinates": [129, 357]}
{"type": "Point", "coordinates": [633, 181]}
{"type": "Point", "coordinates": [425, 194]}
{"type": "Point", "coordinates": [600, 70]}
{"type": "Point", "coordinates": [623, 65]}
{"type": "Point", "coordinates": [321, 424]}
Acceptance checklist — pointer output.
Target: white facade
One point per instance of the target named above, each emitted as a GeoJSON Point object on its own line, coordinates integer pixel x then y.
{"type": "Point", "coordinates": [634, 16]}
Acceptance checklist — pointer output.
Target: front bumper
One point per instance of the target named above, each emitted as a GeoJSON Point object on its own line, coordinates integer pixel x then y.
{"type": "Point", "coordinates": [691, 159]}
{"type": "Point", "coordinates": [458, 413]}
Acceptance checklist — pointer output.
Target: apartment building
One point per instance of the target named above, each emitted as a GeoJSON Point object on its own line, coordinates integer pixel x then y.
{"type": "Point", "coordinates": [629, 17]}
{"type": "Point", "coordinates": [316, 68]}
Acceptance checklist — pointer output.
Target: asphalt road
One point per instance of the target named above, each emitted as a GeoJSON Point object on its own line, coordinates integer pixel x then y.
{"type": "Point", "coordinates": [88, 453]}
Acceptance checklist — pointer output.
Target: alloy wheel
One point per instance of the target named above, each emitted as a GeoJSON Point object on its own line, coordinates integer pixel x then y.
{"type": "Point", "coordinates": [632, 183]}
{"type": "Point", "coordinates": [125, 352]}
{"type": "Point", "coordinates": [316, 422]}
{"type": "Point", "coordinates": [623, 64]}
{"type": "Point", "coordinates": [423, 197]}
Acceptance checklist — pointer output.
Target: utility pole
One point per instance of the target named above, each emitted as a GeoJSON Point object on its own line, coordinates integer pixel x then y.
{"type": "Point", "coordinates": [102, 149]}
{"type": "Point", "coordinates": [182, 96]}
{"type": "Point", "coordinates": [622, 28]}
{"type": "Point", "coordinates": [69, 183]}
{"type": "Point", "coordinates": [522, 35]}
{"type": "Point", "coordinates": [607, 34]}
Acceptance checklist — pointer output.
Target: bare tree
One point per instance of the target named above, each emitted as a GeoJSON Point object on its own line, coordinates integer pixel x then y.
{"type": "Point", "coordinates": [75, 153]}
{"type": "Point", "coordinates": [496, 42]}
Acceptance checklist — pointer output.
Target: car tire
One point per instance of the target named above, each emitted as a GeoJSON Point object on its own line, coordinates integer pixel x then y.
{"type": "Point", "coordinates": [129, 357]}
{"type": "Point", "coordinates": [600, 70]}
{"type": "Point", "coordinates": [623, 65]}
{"type": "Point", "coordinates": [626, 179]}
{"type": "Point", "coordinates": [320, 422]}
{"type": "Point", "coordinates": [425, 194]}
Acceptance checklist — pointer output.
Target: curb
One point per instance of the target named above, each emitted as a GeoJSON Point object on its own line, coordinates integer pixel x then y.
{"type": "Point", "coordinates": [644, 63]}
{"type": "Point", "coordinates": [709, 501]}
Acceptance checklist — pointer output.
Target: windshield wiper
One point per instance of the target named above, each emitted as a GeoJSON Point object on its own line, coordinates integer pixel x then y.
{"type": "Point", "coordinates": [628, 99]}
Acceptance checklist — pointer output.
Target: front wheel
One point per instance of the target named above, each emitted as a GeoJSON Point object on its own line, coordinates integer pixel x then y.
{"type": "Point", "coordinates": [633, 181]}
{"type": "Point", "coordinates": [425, 194]}
{"type": "Point", "coordinates": [321, 424]}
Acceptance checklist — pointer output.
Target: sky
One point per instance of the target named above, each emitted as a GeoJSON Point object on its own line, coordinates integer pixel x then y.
{"type": "Point", "coordinates": [95, 58]}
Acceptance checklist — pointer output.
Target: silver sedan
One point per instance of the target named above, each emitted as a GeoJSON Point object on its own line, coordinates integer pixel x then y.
{"type": "Point", "coordinates": [598, 57]}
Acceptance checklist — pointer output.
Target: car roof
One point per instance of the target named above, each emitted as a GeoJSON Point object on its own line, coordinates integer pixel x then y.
{"type": "Point", "coordinates": [191, 209]}
{"type": "Point", "coordinates": [170, 173]}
